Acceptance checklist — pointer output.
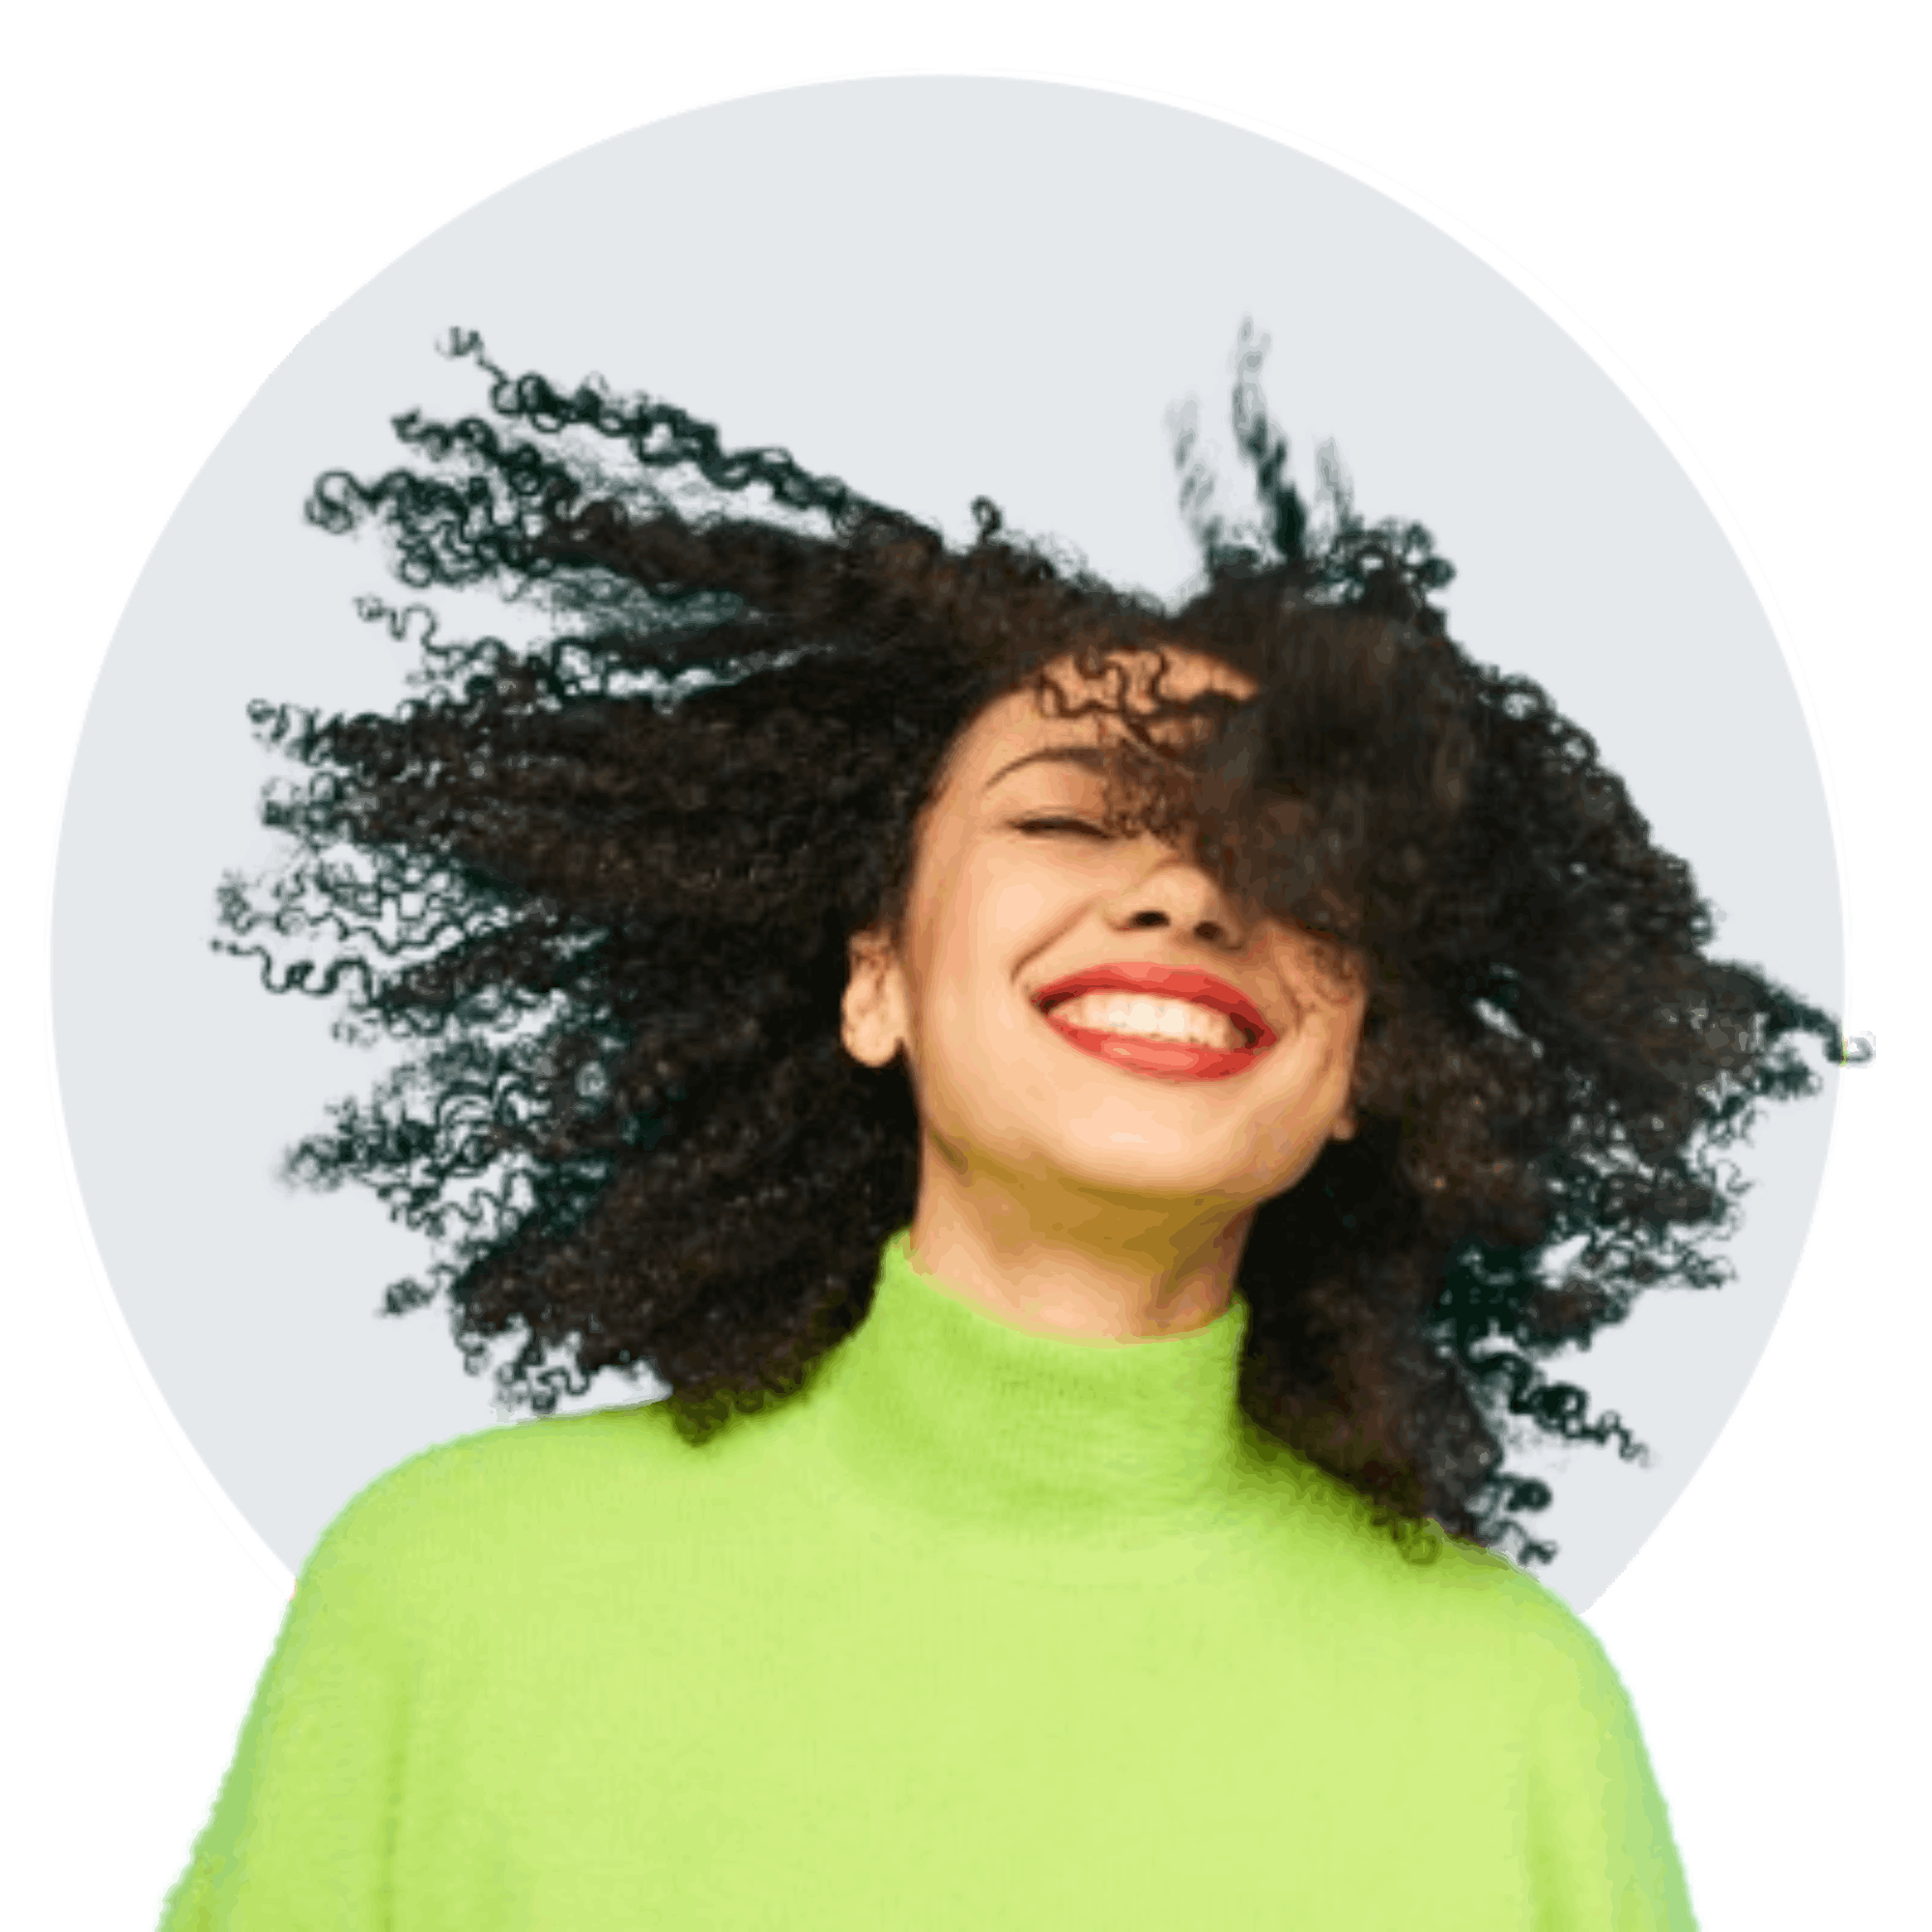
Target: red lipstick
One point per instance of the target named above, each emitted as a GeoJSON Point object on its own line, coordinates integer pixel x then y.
{"type": "Point", "coordinates": [1171, 1060]}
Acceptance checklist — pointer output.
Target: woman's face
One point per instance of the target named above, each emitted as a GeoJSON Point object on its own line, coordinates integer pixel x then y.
{"type": "Point", "coordinates": [1095, 1012]}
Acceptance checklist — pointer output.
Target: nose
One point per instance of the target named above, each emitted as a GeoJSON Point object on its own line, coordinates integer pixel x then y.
{"type": "Point", "coordinates": [1175, 893]}
{"type": "Point", "coordinates": [1209, 931]}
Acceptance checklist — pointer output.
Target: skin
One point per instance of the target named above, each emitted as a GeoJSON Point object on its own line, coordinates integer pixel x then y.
{"type": "Point", "coordinates": [1061, 1192]}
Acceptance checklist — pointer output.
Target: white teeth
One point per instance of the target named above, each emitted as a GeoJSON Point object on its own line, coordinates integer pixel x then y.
{"type": "Point", "coordinates": [1152, 1019]}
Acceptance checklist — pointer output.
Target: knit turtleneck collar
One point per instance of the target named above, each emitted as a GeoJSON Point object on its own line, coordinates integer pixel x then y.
{"type": "Point", "coordinates": [936, 1413]}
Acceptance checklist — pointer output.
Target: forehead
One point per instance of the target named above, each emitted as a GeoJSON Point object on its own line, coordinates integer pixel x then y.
{"type": "Point", "coordinates": [1029, 720]}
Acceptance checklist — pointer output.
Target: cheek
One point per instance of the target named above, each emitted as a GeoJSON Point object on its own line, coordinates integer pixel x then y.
{"type": "Point", "coordinates": [1013, 907]}
{"type": "Point", "coordinates": [970, 1018]}
{"type": "Point", "coordinates": [1006, 902]}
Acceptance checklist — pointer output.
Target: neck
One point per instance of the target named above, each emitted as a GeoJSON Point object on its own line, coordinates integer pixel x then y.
{"type": "Point", "coordinates": [1059, 1260]}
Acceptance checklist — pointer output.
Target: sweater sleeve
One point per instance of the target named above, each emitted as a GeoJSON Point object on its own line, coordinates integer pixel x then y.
{"type": "Point", "coordinates": [301, 1831]}
{"type": "Point", "coordinates": [1601, 1844]}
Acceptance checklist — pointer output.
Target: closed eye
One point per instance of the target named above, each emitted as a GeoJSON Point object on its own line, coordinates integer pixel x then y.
{"type": "Point", "coordinates": [1051, 825]}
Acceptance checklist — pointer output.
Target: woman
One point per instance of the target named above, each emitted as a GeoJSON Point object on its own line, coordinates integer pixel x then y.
{"type": "Point", "coordinates": [1077, 1101]}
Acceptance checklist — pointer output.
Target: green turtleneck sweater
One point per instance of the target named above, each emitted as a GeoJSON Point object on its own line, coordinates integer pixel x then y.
{"type": "Point", "coordinates": [983, 1629]}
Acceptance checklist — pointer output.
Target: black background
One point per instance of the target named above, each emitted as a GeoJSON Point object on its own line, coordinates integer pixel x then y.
{"type": "Point", "coordinates": [1716, 246]}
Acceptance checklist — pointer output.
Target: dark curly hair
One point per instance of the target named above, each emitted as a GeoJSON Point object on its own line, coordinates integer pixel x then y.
{"type": "Point", "coordinates": [604, 885]}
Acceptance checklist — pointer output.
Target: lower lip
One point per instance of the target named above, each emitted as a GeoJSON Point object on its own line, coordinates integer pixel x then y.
{"type": "Point", "coordinates": [1164, 1059]}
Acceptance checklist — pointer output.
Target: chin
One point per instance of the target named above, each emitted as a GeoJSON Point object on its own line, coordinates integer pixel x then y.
{"type": "Point", "coordinates": [1155, 1163]}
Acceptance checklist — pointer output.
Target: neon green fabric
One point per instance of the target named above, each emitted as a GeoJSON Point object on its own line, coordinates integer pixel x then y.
{"type": "Point", "coordinates": [983, 1629]}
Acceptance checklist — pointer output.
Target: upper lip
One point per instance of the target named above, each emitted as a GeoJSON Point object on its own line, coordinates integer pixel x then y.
{"type": "Point", "coordinates": [1167, 983]}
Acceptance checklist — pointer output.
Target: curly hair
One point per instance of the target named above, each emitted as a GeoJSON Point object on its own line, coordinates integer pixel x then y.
{"type": "Point", "coordinates": [603, 885]}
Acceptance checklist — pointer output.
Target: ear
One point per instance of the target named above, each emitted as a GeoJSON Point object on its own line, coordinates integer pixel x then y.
{"type": "Point", "coordinates": [1342, 1127]}
{"type": "Point", "coordinates": [872, 1013]}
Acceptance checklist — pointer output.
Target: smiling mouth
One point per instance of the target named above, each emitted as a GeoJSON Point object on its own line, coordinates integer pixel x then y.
{"type": "Point", "coordinates": [1138, 1015]}
{"type": "Point", "coordinates": [1172, 1023]}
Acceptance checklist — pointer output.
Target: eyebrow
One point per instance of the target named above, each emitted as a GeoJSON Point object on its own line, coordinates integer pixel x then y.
{"type": "Point", "coordinates": [1088, 755]}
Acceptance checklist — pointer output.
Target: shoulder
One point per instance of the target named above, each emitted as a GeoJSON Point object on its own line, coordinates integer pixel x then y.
{"type": "Point", "coordinates": [1458, 1609]}
{"type": "Point", "coordinates": [1500, 1639]}
{"type": "Point", "coordinates": [519, 1487]}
